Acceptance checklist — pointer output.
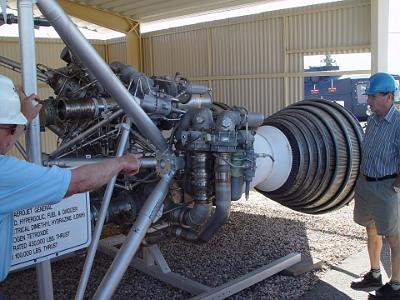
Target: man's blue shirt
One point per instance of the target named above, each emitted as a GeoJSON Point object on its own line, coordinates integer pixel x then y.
{"type": "Point", "coordinates": [24, 185]}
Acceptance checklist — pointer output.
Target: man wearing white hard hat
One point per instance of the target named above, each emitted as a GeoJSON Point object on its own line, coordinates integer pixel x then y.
{"type": "Point", "coordinates": [24, 185]}
{"type": "Point", "coordinates": [11, 115]}
{"type": "Point", "coordinates": [377, 193]}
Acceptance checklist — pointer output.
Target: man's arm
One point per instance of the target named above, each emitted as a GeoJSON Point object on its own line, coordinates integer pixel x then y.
{"type": "Point", "coordinates": [93, 176]}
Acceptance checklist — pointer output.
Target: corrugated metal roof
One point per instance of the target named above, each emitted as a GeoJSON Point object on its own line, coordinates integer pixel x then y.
{"type": "Point", "coordinates": [152, 10]}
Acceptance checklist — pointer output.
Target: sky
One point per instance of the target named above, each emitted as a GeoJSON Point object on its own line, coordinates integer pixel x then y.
{"type": "Point", "coordinates": [346, 62]}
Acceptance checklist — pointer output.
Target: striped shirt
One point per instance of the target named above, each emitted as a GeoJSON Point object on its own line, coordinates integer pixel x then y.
{"type": "Point", "coordinates": [381, 145]}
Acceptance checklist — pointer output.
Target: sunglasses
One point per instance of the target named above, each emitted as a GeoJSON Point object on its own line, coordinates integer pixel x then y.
{"type": "Point", "coordinates": [10, 128]}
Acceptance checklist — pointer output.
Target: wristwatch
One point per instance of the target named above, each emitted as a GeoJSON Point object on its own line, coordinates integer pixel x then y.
{"type": "Point", "coordinates": [396, 189]}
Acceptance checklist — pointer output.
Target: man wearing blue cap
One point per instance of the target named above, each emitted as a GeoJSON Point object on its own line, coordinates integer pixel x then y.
{"type": "Point", "coordinates": [377, 194]}
{"type": "Point", "coordinates": [24, 185]}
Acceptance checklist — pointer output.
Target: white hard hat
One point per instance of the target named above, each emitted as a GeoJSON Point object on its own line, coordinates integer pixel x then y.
{"type": "Point", "coordinates": [10, 106]}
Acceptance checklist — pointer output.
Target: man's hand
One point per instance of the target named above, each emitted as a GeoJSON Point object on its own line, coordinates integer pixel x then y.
{"type": "Point", "coordinates": [29, 110]}
{"type": "Point", "coordinates": [130, 163]}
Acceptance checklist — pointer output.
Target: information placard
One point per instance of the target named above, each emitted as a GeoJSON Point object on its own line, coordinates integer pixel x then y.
{"type": "Point", "coordinates": [47, 231]}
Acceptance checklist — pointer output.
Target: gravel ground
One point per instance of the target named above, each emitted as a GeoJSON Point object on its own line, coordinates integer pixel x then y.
{"type": "Point", "coordinates": [259, 231]}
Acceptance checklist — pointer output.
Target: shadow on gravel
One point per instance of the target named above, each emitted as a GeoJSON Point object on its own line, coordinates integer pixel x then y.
{"type": "Point", "coordinates": [246, 242]}
{"type": "Point", "coordinates": [325, 291]}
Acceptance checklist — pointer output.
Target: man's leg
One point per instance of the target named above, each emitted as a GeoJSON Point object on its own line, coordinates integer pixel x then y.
{"type": "Point", "coordinates": [374, 243]}
{"type": "Point", "coordinates": [391, 290]}
{"type": "Point", "coordinates": [394, 243]}
{"type": "Point", "coordinates": [373, 278]}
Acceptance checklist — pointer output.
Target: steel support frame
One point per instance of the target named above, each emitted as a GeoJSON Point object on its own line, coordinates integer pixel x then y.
{"type": "Point", "coordinates": [91, 252]}
{"type": "Point", "coordinates": [29, 78]}
{"type": "Point", "coordinates": [154, 264]}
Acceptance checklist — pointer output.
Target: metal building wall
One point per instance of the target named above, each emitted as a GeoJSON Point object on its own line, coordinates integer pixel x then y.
{"type": "Point", "coordinates": [47, 53]}
{"type": "Point", "coordinates": [257, 61]}
{"type": "Point", "coordinates": [116, 50]}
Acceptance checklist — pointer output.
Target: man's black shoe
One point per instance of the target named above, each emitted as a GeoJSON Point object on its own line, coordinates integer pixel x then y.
{"type": "Point", "coordinates": [366, 281]}
{"type": "Point", "coordinates": [385, 293]}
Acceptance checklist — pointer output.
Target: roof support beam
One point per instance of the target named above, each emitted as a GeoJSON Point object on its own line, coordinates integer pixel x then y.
{"type": "Point", "coordinates": [112, 21]}
{"type": "Point", "coordinates": [133, 46]}
{"type": "Point", "coordinates": [379, 35]}
{"type": "Point", "coordinates": [96, 16]}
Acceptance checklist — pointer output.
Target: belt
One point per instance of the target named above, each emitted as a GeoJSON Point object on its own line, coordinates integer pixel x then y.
{"type": "Point", "coordinates": [380, 178]}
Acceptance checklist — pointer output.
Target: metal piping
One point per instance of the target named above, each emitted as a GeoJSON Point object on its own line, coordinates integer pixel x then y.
{"type": "Point", "coordinates": [102, 216]}
{"type": "Point", "coordinates": [65, 146]}
{"type": "Point", "coordinates": [222, 198]}
{"type": "Point", "coordinates": [201, 209]}
{"type": "Point", "coordinates": [28, 63]}
{"type": "Point", "coordinates": [28, 58]}
{"type": "Point", "coordinates": [191, 217]}
{"type": "Point", "coordinates": [16, 67]}
{"type": "Point", "coordinates": [148, 162]}
{"type": "Point", "coordinates": [88, 55]}
{"type": "Point", "coordinates": [198, 214]}
{"type": "Point", "coordinates": [56, 130]}
{"type": "Point", "coordinates": [236, 187]}
{"type": "Point", "coordinates": [138, 231]}
{"type": "Point", "coordinates": [145, 163]}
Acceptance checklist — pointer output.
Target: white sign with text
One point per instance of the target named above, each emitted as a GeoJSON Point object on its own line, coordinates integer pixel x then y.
{"type": "Point", "coordinates": [43, 232]}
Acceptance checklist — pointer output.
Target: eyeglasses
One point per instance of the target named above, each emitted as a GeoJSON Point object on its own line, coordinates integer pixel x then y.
{"type": "Point", "coordinates": [10, 128]}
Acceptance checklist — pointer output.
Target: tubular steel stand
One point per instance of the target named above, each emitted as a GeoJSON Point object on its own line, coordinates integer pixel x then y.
{"type": "Point", "coordinates": [28, 67]}
{"type": "Point", "coordinates": [153, 263]}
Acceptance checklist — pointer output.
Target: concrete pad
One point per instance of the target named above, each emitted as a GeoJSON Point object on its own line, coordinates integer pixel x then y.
{"type": "Point", "coordinates": [306, 264]}
{"type": "Point", "coordinates": [335, 284]}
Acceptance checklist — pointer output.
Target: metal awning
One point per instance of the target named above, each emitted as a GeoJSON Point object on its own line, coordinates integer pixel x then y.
{"type": "Point", "coordinates": [153, 10]}
{"type": "Point", "coordinates": [144, 11]}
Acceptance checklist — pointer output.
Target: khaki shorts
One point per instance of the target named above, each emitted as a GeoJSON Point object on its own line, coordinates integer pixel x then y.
{"type": "Point", "coordinates": [376, 201]}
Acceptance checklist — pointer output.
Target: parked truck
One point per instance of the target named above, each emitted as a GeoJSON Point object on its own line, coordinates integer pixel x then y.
{"type": "Point", "coordinates": [345, 90]}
